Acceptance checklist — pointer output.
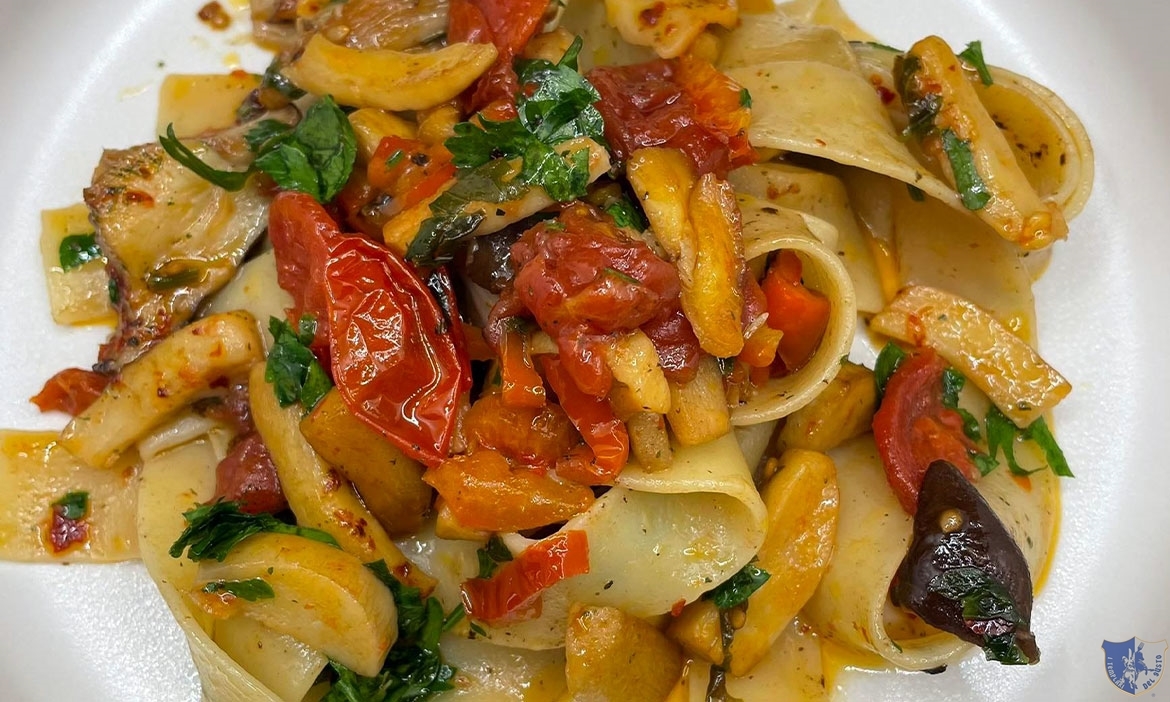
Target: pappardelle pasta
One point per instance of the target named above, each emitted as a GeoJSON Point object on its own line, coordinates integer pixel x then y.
{"type": "Point", "coordinates": [566, 351]}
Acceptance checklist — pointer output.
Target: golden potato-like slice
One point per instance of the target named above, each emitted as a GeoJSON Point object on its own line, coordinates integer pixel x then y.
{"type": "Point", "coordinates": [802, 501]}
{"type": "Point", "coordinates": [842, 411]}
{"type": "Point", "coordinates": [1009, 371]}
{"type": "Point", "coordinates": [321, 596]}
{"type": "Point", "coordinates": [317, 494]}
{"type": "Point", "coordinates": [611, 656]}
{"type": "Point", "coordinates": [181, 369]}
{"type": "Point", "coordinates": [698, 409]}
{"type": "Point", "coordinates": [388, 481]}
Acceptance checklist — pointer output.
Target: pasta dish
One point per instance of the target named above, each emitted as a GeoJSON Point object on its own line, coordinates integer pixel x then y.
{"type": "Point", "coordinates": [591, 350]}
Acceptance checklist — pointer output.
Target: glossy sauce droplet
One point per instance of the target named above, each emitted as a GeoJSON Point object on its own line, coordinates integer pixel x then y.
{"type": "Point", "coordinates": [950, 521]}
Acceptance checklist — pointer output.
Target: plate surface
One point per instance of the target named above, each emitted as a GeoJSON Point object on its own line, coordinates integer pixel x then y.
{"type": "Point", "coordinates": [77, 78]}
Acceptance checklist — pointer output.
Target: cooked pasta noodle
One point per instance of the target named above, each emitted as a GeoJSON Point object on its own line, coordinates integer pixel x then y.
{"type": "Point", "coordinates": [505, 381]}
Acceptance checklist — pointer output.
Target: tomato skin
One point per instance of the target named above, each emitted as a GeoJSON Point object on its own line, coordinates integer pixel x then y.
{"type": "Point", "coordinates": [513, 593]}
{"type": "Point", "coordinates": [507, 24]}
{"type": "Point", "coordinates": [913, 429]}
{"type": "Point", "coordinates": [583, 282]}
{"type": "Point", "coordinates": [71, 391]}
{"type": "Point", "coordinates": [684, 104]}
{"type": "Point", "coordinates": [302, 233]}
{"type": "Point", "coordinates": [801, 314]}
{"type": "Point", "coordinates": [484, 490]}
{"type": "Point", "coordinates": [395, 357]}
{"type": "Point", "coordinates": [604, 433]}
{"type": "Point", "coordinates": [247, 475]}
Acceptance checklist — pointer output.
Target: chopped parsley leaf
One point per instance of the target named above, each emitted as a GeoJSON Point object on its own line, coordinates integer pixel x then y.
{"type": "Point", "coordinates": [973, 55]}
{"type": "Point", "coordinates": [73, 505]}
{"type": "Point", "coordinates": [972, 190]}
{"type": "Point", "coordinates": [252, 590]}
{"type": "Point", "coordinates": [293, 370]}
{"type": "Point", "coordinates": [76, 250]}
{"type": "Point", "coordinates": [214, 529]}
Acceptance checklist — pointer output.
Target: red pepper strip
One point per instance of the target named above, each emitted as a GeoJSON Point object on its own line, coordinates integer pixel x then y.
{"type": "Point", "coordinates": [593, 417]}
{"type": "Point", "coordinates": [247, 475]}
{"type": "Point", "coordinates": [802, 314]}
{"type": "Point", "coordinates": [761, 346]}
{"type": "Point", "coordinates": [913, 429]}
{"type": "Point", "coordinates": [416, 174]}
{"type": "Point", "coordinates": [485, 491]}
{"type": "Point", "coordinates": [399, 363]}
{"type": "Point", "coordinates": [513, 593]}
{"type": "Point", "coordinates": [520, 384]}
{"type": "Point", "coordinates": [71, 391]}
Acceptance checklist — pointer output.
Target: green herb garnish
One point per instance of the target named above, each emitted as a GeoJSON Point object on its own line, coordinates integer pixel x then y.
{"type": "Point", "coordinates": [745, 98]}
{"type": "Point", "coordinates": [414, 669]}
{"type": "Point", "coordinates": [76, 250]}
{"type": "Point", "coordinates": [556, 106]}
{"type": "Point", "coordinates": [972, 190]}
{"type": "Point", "coordinates": [626, 214]}
{"type": "Point", "coordinates": [314, 157]}
{"type": "Point", "coordinates": [491, 556]}
{"type": "Point", "coordinates": [73, 505]}
{"type": "Point", "coordinates": [887, 362]}
{"type": "Point", "coordinates": [214, 529]}
{"type": "Point", "coordinates": [973, 55]}
{"type": "Point", "coordinates": [293, 370]}
{"type": "Point", "coordinates": [736, 590]}
{"type": "Point", "coordinates": [251, 590]}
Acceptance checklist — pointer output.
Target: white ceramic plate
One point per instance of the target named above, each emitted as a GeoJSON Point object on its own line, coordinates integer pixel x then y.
{"type": "Point", "coordinates": [76, 78]}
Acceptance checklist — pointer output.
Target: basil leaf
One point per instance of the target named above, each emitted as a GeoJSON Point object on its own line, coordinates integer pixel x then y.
{"type": "Point", "coordinates": [736, 590]}
{"type": "Point", "coordinates": [252, 590]}
{"type": "Point", "coordinates": [76, 250]}
{"type": "Point", "coordinates": [972, 190]}
{"type": "Point", "coordinates": [887, 362]}
{"type": "Point", "coordinates": [73, 505]}
{"type": "Point", "coordinates": [970, 425]}
{"type": "Point", "coordinates": [973, 55]}
{"type": "Point", "coordinates": [745, 98]}
{"type": "Point", "coordinates": [231, 181]}
{"type": "Point", "coordinates": [214, 529]}
{"type": "Point", "coordinates": [317, 156]}
{"type": "Point", "coordinates": [1038, 431]}
{"type": "Point", "coordinates": [292, 368]}
{"type": "Point", "coordinates": [985, 463]}
{"type": "Point", "coordinates": [264, 133]}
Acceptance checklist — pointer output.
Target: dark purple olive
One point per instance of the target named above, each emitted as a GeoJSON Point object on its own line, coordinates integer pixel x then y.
{"type": "Point", "coordinates": [964, 574]}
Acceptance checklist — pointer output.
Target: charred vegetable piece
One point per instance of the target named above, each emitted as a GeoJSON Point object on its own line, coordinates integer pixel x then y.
{"type": "Point", "coordinates": [964, 573]}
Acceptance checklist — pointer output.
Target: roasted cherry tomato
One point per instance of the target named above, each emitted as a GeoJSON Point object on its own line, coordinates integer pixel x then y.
{"type": "Point", "coordinates": [71, 391]}
{"type": "Point", "coordinates": [247, 475]}
{"type": "Point", "coordinates": [507, 24]}
{"type": "Point", "coordinates": [513, 593]}
{"type": "Point", "coordinates": [685, 103]}
{"type": "Point", "coordinates": [302, 234]}
{"type": "Point", "coordinates": [801, 314]}
{"type": "Point", "coordinates": [913, 429]}
{"type": "Point", "coordinates": [604, 433]}
{"type": "Point", "coordinates": [582, 281]}
{"type": "Point", "coordinates": [397, 359]}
